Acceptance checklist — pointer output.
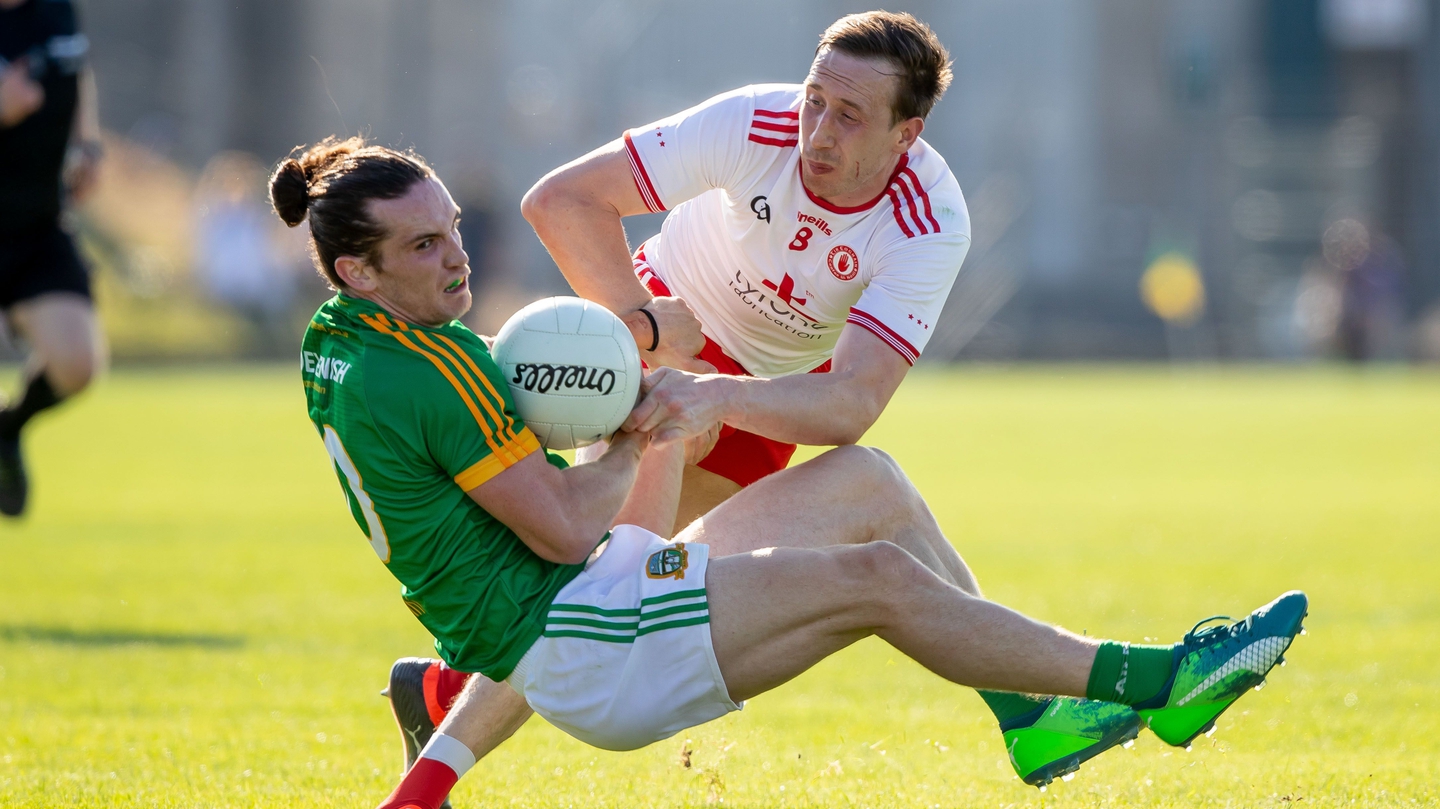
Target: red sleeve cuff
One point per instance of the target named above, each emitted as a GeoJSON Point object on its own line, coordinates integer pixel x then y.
{"type": "Point", "coordinates": [642, 178]}
{"type": "Point", "coordinates": [895, 341]}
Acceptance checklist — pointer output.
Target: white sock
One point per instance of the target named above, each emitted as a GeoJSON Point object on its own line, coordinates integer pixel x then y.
{"type": "Point", "coordinates": [451, 752]}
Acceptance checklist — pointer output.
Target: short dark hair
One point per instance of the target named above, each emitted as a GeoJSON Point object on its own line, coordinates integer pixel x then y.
{"type": "Point", "coordinates": [334, 181]}
{"type": "Point", "coordinates": [906, 43]}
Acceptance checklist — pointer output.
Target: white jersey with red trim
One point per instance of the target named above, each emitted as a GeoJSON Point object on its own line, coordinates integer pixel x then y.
{"type": "Point", "coordinates": [773, 272]}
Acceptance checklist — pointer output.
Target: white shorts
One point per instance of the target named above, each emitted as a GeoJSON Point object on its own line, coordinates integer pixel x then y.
{"type": "Point", "coordinates": [626, 658]}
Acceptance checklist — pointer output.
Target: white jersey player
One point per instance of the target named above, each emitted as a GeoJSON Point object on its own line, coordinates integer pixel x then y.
{"type": "Point", "coordinates": [774, 272]}
{"type": "Point", "coordinates": [810, 229]}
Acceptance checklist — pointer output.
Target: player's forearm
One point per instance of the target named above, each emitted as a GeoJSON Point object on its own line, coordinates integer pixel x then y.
{"type": "Point", "coordinates": [814, 409]}
{"type": "Point", "coordinates": [655, 498]}
{"type": "Point", "coordinates": [593, 495]}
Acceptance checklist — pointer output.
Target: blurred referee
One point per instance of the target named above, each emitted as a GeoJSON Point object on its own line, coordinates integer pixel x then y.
{"type": "Point", "coordinates": [49, 147]}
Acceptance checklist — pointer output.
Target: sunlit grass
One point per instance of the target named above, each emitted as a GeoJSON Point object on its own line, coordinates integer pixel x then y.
{"type": "Point", "coordinates": [189, 618]}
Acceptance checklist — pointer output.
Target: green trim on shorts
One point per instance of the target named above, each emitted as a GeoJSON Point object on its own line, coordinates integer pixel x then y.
{"type": "Point", "coordinates": [675, 596]}
{"type": "Point", "coordinates": [593, 610]}
{"type": "Point", "coordinates": [562, 621]}
{"type": "Point", "coordinates": [568, 621]}
{"type": "Point", "coordinates": [703, 619]}
{"type": "Point", "coordinates": [589, 636]}
{"type": "Point", "coordinates": [703, 605]}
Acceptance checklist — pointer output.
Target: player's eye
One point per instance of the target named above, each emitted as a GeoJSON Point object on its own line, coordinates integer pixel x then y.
{"type": "Point", "coordinates": [851, 118]}
{"type": "Point", "coordinates": [424, 244]}
{"type": "Point", "coordinates": [813, 101]}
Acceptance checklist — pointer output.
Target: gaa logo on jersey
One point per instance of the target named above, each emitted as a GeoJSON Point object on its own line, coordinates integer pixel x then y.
{"type": "Point", "coordinates": [843, 263]}
{"type": "Point", "coordinates": [669, 563]}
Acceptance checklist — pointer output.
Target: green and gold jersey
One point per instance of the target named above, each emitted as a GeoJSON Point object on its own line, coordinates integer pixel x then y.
{"type": "Point", "coordinates": [413, 418]}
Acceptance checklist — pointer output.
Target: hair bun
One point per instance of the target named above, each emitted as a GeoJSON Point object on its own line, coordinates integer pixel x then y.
{"type": "Point", "coordinates": [290, 192]}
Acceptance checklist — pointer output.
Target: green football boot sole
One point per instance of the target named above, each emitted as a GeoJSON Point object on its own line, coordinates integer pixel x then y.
{"type": "Point", "coordinates": [1055, 739]}
{"type": "Point", "coordinates": [1216, 665]}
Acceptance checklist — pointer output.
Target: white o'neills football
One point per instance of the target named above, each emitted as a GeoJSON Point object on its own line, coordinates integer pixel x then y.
{"type": "Point", "coordinates": [573, 370]}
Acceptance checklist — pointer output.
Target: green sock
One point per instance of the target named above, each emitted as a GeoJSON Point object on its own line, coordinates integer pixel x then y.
{"type": "Point", "coordinates": [1007, 706]}
{"type": "Point", "coordinates": [1129, 673]}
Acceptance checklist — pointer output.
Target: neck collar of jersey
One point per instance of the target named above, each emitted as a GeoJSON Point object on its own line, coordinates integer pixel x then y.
{"type": "Point", "coordinates": [899, 167]}
{"type": "Point", "coordinates": [362, 307]}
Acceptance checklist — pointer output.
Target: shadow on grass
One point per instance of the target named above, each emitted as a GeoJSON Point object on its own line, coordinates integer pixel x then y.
{"type": "Point", "coordinates": [117, 637]}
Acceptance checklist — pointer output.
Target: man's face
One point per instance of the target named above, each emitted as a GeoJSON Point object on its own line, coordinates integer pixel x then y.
{"type": "Point", "coordinates": [424, 272]}
{"type": "Point", "coordinates": [847, 132]}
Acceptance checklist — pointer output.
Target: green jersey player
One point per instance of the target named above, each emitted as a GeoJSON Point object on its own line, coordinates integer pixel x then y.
{"type": "Point", "coordinates": [413, 418]}
{"type": "Point", "coordinates": [557, 585]}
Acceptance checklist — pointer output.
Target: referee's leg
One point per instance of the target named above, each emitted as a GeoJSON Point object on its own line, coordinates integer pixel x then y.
{"type": "Point", "coordinates": [67, 351]}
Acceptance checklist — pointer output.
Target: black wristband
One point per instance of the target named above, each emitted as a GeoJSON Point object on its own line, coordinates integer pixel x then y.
{"type": "Point", "coordinates": [654, 329]}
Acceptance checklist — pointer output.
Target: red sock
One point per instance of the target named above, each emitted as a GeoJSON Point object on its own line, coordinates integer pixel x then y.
{"type": "Point", "coordinates": [442, 685]}
{"type": "Point", "coordinates": [424, 787]}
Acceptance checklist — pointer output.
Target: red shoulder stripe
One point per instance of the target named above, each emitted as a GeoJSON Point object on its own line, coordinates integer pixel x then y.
{"type": "Point", "coordinates": [794, 116]}
{"type": "Point", "coordinates": [899, 217]}
{"type": "Point", "coordinates": [924, 197]}
{"type": "Point", "coordinates": [772, 141]}
{"type": "Point", "coordinates": [793, 129]}
{"type": "Point", "coordinates": [904, 188]}
{"type": "Point", "coordinates": [642, 179]}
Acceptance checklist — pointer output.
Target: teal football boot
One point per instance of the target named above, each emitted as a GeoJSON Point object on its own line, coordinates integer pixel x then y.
{"type": "Point", "coordinates": [1217, 664]}
{"type": "Point", "coordinates": [1056, 738]}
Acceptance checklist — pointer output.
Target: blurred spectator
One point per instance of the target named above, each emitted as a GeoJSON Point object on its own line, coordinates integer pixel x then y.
{"type": "Point", "coordinates": [1372, 280]}
{"type": "Point", "coordinates": [244, 258]}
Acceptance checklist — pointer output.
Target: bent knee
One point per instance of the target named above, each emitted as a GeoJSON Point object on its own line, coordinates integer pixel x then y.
{"type": "Point", "coordinates": [873, 474]}
{"type": "Point", "coordinates": [882, 580]}
{"type": "Point", "coordinates": [71, 373]}
{"type": "Point", "coordinates": [881, 568]}
{"type": "Point", "coordinates": [868, 462]}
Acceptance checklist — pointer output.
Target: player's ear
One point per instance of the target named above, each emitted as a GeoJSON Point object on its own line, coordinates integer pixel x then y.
{"type": "Point", "coordinates": [356, 272]}
{"type": "Point", "coordinates": [907, 132]}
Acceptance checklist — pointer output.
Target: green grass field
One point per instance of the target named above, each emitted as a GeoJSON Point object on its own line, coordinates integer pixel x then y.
{"type": "Point", "coordinates": [189, 618]}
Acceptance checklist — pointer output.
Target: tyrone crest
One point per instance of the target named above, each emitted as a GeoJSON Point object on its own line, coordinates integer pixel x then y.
{"type": "Point", "coordinates": [843, 263]}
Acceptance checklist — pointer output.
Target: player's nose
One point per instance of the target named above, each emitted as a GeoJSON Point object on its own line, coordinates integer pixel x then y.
{"type": "Point", "coordinates": [456, 255]}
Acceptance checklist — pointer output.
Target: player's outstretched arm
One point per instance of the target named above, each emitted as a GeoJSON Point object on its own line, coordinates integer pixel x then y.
{"type": "Point", "coordinates": [561, 514]}
{"type": "Point", "coordinates": [576, 211]}
{"type": "Point", "coordinates": [829, 409]}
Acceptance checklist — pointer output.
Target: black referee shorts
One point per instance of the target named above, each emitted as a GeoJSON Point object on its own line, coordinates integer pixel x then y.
{"type": "Point", "coordinates": [39, 260]}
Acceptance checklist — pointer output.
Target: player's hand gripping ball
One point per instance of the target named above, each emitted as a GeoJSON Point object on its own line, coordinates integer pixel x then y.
{"type": "Point", "coordinates": [573, 369]}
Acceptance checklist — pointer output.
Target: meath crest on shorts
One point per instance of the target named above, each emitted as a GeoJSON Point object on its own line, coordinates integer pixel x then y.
{"type": "Point", "coordinates": [668, 563]}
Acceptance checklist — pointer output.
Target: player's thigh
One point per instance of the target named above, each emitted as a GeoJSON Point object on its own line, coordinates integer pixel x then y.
{"type": "Point", "coordinates": [61, 329]}
{"type": "Point", "coordinates": [701, 491]}
{"type": "Point", "coordinates": [776, 612]}
{"type": "Point", "coordinates": [838, 498]}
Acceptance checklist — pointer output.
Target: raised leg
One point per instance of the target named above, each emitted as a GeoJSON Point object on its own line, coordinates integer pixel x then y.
{"type": "Point", "coordinates": [776, 612]}
{"type": "Point", "coordinates": [850, 495]}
